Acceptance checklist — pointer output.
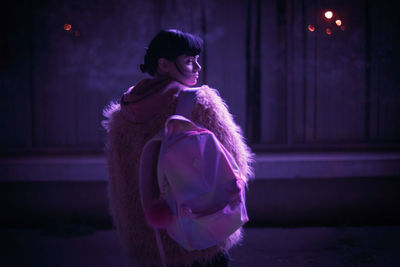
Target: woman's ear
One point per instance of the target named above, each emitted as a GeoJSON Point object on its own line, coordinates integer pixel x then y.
{"type": "Point", "coordinates": [163, 65]}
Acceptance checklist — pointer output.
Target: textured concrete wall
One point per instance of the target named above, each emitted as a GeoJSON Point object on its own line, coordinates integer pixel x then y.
{"type": "Point", "coordinates": [314, 88]}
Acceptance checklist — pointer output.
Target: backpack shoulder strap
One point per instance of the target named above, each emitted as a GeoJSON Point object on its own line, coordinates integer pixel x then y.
{"type": "Point", "coordinates": [147, 170]}
{"type": "Point", "coordinates": [148, 185]}
{"type": "Point", "coordinates": [186, 102]}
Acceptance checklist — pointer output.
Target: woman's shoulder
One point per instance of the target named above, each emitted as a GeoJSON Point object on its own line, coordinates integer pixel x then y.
{"type": "Point", "coordinates": [210, 110]}
{"type": "Point", "coordinates": [209, 97]}
{"type": "Point", "coordinates": [204, 89]}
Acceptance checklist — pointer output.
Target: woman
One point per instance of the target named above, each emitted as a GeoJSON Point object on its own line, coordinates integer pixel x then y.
{"type": "Point", "coordinates": [172, 61]}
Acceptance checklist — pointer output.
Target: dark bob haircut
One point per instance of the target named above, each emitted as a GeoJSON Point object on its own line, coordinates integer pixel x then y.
{"type": "Point", "coordinates": [170, 44]}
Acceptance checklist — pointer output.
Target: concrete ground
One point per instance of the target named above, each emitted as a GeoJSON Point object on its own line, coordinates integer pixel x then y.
{"type": "Point", "coordinates": [77, 245]}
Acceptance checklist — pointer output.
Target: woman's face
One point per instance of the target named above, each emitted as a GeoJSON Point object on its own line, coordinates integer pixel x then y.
{"type": "Point", "coordinates": [185, 69]}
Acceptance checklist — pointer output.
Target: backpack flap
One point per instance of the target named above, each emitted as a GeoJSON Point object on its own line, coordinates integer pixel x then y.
{"type": "Point", "coordinates": [205, 190]}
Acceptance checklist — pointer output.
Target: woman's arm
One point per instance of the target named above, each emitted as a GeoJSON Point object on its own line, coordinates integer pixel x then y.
{"type": "Point", "coordinates": [212, 113]}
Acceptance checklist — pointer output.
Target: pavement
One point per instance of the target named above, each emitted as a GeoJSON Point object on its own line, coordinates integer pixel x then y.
{"type": "Point", "coordinates": [80, 245]}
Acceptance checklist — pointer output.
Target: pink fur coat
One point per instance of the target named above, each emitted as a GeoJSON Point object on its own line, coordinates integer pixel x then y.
{"type": "Point", "coordinates": [125, 141]}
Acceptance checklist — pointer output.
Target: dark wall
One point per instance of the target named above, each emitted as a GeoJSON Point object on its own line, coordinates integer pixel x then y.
{"type": "Point", "coordinates": [288, 87]}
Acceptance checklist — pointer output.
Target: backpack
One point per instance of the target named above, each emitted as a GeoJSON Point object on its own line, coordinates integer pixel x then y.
{"type": "Point", "coordinates": [196, 193]}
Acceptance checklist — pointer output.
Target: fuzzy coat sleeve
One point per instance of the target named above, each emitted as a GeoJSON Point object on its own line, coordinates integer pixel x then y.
{"type": "Point", "coordinates": [212, 113]}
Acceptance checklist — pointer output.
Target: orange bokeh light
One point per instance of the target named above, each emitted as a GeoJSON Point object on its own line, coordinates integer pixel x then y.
{"type": "Point", "coordinates": [311, 28]}
{"type": "Point", "coordinates": [67, 27]}
{"type": "Point", "coordinates": [343, 28]}
{"type": "Point", "coordinates": [338, 22]}
{"type": "Point", "coordinates": [328, 14]}
{"type": "Point", "coordinates": [328, 31]}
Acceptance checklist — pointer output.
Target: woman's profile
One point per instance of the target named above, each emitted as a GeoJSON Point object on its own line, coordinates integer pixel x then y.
{"type": "Point", "coordinates": [172, 61]}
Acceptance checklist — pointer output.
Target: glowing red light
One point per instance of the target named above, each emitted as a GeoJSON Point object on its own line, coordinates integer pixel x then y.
{"type": "Point", "coordinates": [311, 28]}
{"type": "Point", "coordinates": [77, 33]}
{"type": "Point", "coordinates": [328, 31]}
{"type": "Point", "coordinates": [338, 22]}
{"type": "Point", "coordinates": [67, 27]}
{"type": "Point", "coordinates": [343, 28]}
{"type": "Point", "coordinates": [328, 14]}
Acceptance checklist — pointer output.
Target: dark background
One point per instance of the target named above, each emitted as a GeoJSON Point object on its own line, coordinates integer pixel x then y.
{"type": "Point", "coordinates": [289, 88]}
{"type": "Point", "coordinates": [320, 110]}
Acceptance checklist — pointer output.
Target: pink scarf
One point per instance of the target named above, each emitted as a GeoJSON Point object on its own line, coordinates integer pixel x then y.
{"type": "Point", "coordinates": [148, 98]}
